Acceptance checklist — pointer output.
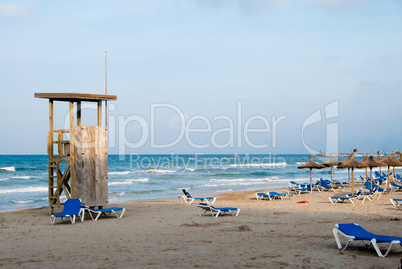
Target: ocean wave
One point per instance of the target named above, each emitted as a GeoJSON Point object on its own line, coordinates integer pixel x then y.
{"type": "Point", "coordinates": [189, 169]}
{"type": "Point", "coordinates": [231, 184]}
{"type": "Point", "coordinates": [263, 165]}
{"type": "Point", "coordinates": [128, 181]}
{"type": "Point", "coordinates": [22, 177]}
{"type": "Point", "coordinates": [244, 179]}
{"type": "Point", "coordinates": [159, 171]}
{"type": "Point", "coordinates": [22, 202]}
{"type": "Point", "coordinates": [119, 173]}
{"type": "Point", "coordinates": [117, 194]}
{"type": "Point", "coordinates": [4, 179]}
{"type": "Point", "coordinates": [26, 189]}
{"type": "Point", "coordinates": [8, 169]}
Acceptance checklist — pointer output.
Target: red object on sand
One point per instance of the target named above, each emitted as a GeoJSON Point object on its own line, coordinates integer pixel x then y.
{"type": "Point", "coordinates": [302, 202]}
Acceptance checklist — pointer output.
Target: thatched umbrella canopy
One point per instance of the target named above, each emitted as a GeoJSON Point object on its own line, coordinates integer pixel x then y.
{"type": "Point", "coordinates": [312, 165]}
{"type": "Point", "coordinates": [351, 163]}
{"type": "Point", "coordinates": [391, 161]}
{"type": "Point", "coordinates": [331, 163]}
{"type": "Point", "coordinates": [371, 162]}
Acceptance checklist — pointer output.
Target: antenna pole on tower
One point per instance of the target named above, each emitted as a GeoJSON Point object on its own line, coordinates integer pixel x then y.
{"type": "Point", "coordinates": [105, 88]}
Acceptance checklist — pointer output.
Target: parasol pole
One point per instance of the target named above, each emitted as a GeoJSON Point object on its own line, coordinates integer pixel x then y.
{"type": "Point", "coordinates": [371, 178]}
{"type": "Point", "coordinates": [388, 176]}
{"type": "Point", "coordinates": [353, 183]}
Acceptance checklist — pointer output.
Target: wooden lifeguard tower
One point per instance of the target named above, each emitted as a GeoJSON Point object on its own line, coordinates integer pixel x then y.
{"type": "Point", "coordinates": [79, 167]}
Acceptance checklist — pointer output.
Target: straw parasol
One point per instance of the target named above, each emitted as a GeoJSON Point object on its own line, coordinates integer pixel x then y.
{"type": "Point", "coordinates": [391, 161]}
{"type": "Point", "coordinates": [351, 163]}
{"type": "Point", "coordinates": [331, 163]}
{"type": "Point", "coordinates": [371, 162]}
{"type": "Point", "coordinates": [312, 165]}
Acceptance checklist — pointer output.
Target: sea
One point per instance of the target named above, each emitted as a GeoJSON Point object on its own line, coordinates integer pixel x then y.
{"type": "Point", "coordinates": [135, 177]}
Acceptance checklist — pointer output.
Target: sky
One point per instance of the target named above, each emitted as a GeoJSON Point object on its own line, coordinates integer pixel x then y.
{"type": "Point", "coordinates": [210, 76]}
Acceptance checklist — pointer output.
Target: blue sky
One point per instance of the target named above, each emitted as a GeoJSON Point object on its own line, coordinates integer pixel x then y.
{"type": "Point", "coordinates": [207, 60]}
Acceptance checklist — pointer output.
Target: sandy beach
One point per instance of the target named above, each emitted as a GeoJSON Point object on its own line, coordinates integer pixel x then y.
{"type": "Point", "coordinates": [167, 234]}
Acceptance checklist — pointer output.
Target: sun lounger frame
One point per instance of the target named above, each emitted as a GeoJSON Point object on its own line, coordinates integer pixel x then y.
{"type": "Point", "coordinates": [373, 240]}
{"type": "Point", "coordinates": [105, 211]}
{"type": "Point", "coordinates": [217, 210]}
{"type": "Point", "coordinates": [68, 212]}
{"type": "Point", "coordinates": [396, 202]}
{"type": "Point", "coordinates": [186, 198]}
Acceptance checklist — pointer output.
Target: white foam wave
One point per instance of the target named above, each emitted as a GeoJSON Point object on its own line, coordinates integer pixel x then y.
{"type": "Point", "coordinates": [230, 184]}
{"type": "Point", "coordinates": [263, 165]}
{"type": "Point", "coordinates": [119, 173]}
{"type": "Point", "coordinates": [117, 194]}
{"type": "Point", "coordinates": [128, 181]}
{"type": "Point", "coordinates": [8, 169]}
{"type": "Point", "coordinates": [22, 202]}
{"type": "Point", "coordinates": [189, 169]}
{"type": "Point", "coordinates": [21, 177]}
{"type": "Point", "coordinates": [26, 189]}
{"type": "Point", "coordinates": [159, 171]}
{"type": "Point", "coordinates": [245, 179]}
{"type": "Point", "coordinates": [3, 179]}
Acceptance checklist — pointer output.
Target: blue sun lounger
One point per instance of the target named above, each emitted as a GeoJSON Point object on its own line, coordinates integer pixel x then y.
{"type": "Point", "coordinates": [272, 195]}
{"type": "Point", "coordinates": [276, 195]}
{"type": "Point", "coordinates": [217, 210]}
{"type": "Point", "coordinates": [104, 211]}
{"type": "Point", "coordinates": [340, 199]}
{"type": "Point", "coordinates": [325, 187]}
{"type": "Point", "coordinates": [369, 196]}
{"type": "Point", "coordinates": [354, 231]}
{"type": "Point", "coordinates": [72, 208]}
{"type": "Point", "coordinates": [396, 202]}
{"type": "Point", "coordinates": [188, 199]}
{"type": "Point", "coordinates": [396, 187]}
{"type": "Point", "coordinates": [262, 196]}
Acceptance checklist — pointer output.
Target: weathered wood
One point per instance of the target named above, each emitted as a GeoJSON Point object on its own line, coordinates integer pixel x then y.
{"type": "Point", "coordinates": [91, 165]}
{"type": "Point", "coordinates": [100, 113]}
{"type": "Point", "coordinates": [76, 97]}
{"type": "Point", "coordinates": [79, 113]}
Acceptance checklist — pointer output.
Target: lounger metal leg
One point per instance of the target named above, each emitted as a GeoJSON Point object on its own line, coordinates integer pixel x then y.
{"type": "Point", "coordinates": [377, 249]}
{"type": "Point", "coordinates": [338, 242]}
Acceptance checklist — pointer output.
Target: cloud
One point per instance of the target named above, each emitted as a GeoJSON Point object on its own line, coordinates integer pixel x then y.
{"type": "Point", "coordinates": [15, 9]}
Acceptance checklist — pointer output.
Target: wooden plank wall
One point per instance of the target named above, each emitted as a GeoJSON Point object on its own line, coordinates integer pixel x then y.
{"type": "Point", "coordinates": [91, 165]}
